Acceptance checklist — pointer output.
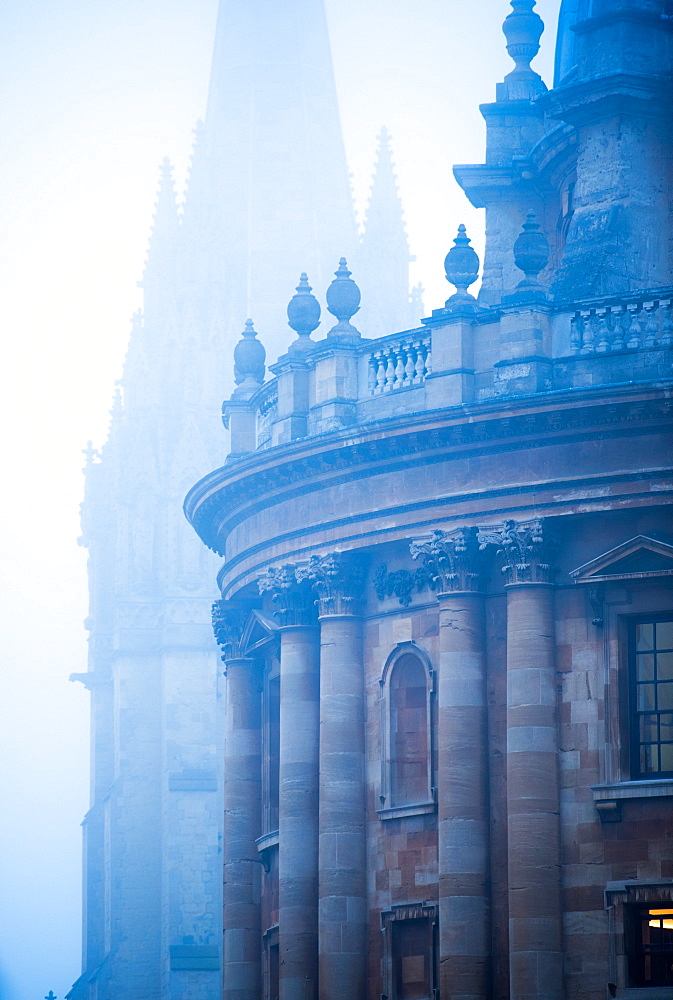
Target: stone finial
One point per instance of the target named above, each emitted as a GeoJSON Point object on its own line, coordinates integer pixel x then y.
{"type": "Point", "coordinates": [523, 29]}
{"type": "Point", "coordinates": [343, 301]}
{"type": "Point", "coordinates": [526, 547]}
{"type": "Point", "coordinates": [531, 253]}
{"type": "Point", "coordinates": [249, 359]}
{"type": "Point", "coordinates": [303, 313]}
{"type": "Point", "coordinates": [453, 561]}
{"type": "Point", "coordinates": [462, 270]}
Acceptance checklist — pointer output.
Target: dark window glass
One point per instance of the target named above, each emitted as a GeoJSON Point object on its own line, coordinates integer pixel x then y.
{"type": "Point", "coordinates": [274, 972]}
{"type": "Point", "coordinates": [651, 670]}
{"type": "Point", "coordinates": [412, 955]}
{"type": "Point", "coordinates": [650, 944]}
{"type": "Point", "coordinates": [409, 742]}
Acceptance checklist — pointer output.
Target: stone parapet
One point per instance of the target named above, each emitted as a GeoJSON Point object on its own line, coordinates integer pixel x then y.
{"type": "Point", "coordinates": [526, 345]}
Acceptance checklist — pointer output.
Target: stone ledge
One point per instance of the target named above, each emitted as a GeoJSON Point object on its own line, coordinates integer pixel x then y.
{"type": "Point", "coordinates": [267, 840]}
{"type": "Point", "coordinates": [194, 958]}
{"type": "Point", "coordinates": [649, 789]}
{"type": "Point", "coordinates": [644, 993]}
{"type": "Point", "coordinates": [399, 812]}
{"type": "Point", "coordinates": [191, 781]}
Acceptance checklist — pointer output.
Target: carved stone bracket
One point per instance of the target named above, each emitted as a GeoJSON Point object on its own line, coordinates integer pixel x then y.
{"type": "Point", "coordinates": [401, 583]}
{"type": "Point", "coordinates": [527, 550]}
{"type": "Point", "coordinates": [454, 562]}
{"type": "Point", "coordinates": [338, 580]}
{"type": "Point", "coordinates": [229, 620]}
{"type": "Point", "coordinates": [293, 596]}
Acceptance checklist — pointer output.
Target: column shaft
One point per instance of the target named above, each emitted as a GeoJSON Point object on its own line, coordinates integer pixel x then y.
{"type": "Point", "coordinates": [464, 884]}
{"type": "Point", "coordinates": [533, 805]}
{"type": "Point", "coordinates": [342, 861]}
{"type": "Point", "coordinates": [242, 825]}
{"type": "Point", "coordinates": [298, 813]}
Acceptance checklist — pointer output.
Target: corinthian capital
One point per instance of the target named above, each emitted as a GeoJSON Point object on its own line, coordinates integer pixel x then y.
{"type": "Point", "coordinates": [453, 561]}
{"type": "Point", "coordinates": [526, 548]}
{"type": "Point", "coordinates": [293, 597]}
{"type": "Point", "coordinates": [229, 621]}
{"type": "Point", "coordinates": [338, 580]}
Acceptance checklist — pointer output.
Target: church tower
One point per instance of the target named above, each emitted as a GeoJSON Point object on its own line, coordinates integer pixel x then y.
{"type": "Point", "coordinates": [268, 197]}
{"type": "Point", "coordinates": [387, 304]}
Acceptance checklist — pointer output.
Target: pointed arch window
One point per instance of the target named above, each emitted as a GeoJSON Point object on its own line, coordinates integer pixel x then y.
{"type": "Point", "coordinates": [407, 688]}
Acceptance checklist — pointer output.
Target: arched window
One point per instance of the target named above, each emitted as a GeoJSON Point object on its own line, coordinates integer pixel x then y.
{"type": "Point", "coordinates": [407, 764]}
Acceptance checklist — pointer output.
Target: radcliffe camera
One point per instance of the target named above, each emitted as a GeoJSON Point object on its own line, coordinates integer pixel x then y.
{"type": "Point", "coordinates": [379, 537]}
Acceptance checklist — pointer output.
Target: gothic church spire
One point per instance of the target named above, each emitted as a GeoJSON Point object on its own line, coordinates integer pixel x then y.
{"type": "Point", "coordinates": [383, 268]}
{"type": "Point", "coordinates": [273, 188]}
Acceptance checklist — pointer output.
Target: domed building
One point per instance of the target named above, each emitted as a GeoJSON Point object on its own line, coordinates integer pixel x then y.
{"type": "Point", "coordinates": [446, 611]}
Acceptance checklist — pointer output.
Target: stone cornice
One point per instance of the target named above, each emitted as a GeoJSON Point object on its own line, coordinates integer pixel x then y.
{"type": "Point", "coordinates": [268, 477]}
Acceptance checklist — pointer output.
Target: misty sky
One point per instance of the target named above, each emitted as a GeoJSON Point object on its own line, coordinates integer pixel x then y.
{"type": "Point", "coordinates": [93, 94]}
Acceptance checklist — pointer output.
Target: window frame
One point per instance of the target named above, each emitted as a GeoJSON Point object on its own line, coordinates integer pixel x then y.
{"type": "Point", "coordinates": [633, 721]}
{"type": "Point", "coordinates": [402, 912]}
{"type": "Point", "coordinates": [388, 809]}
{"type": "Point", "coordinates": [621, 901]}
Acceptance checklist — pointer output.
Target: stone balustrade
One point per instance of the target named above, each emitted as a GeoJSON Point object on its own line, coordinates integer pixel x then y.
{"type": "Point", "coordinates": [639, 321]}
{"type": "Point", "coordinates": [399, 364]}
{"type": "Point", "coordinates": [461, 357]}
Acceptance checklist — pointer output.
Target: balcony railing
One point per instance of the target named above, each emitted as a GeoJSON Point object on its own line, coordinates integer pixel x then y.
{"type": "Point", "coordinates": [398, 365]}
{"type": "Point", "coordinates": [632, 323]}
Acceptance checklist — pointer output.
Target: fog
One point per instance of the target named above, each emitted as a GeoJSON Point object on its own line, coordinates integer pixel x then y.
{"type": "Point", "coordinates": [93, 95]}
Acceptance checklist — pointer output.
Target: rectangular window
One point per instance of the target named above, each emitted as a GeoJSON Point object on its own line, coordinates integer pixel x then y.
{"type": "Point", "coordinates": [651, 695]}
{"type": "Point", "coordinates": [650, 945]}
{"type": "Point", "coordinates": [274, 972]}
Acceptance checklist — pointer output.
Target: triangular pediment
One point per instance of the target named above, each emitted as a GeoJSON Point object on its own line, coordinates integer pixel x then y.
{"type": "Point", "coordinates": [638, 558]}
{"type": "Point", "coordinates": [259, 630]}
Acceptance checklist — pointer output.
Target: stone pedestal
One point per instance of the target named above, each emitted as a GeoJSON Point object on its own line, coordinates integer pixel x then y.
{"type": "Point", "coordinates": [293, 397]}
{"type": "Point", "coordinates": [298, 813]}
{"type": "Point", "coordinates": [242, 825]}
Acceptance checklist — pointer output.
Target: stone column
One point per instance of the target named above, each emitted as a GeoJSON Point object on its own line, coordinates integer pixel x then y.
{"type": "Point", "coordinates": [533, 801]}
{"type": "Point", "coordinates": [342, 848]}
{"type": "Point", "coordinates": [298, 792]}
{"type": "Point", "coordinates": [242, 808]}
{"type": "Point", "coordinates": [454, 563]}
